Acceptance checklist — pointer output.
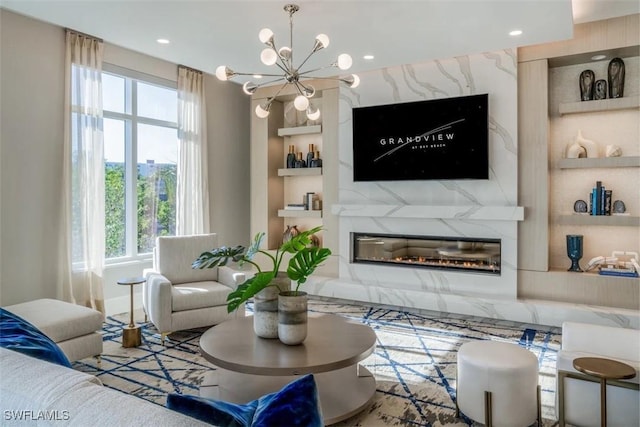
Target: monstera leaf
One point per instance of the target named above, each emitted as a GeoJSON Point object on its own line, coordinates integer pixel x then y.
{"type": "Point", "coordinates": [304, 263]}
{"type": "Point", "coordinates": [218, 257]}
{"type": "Point", "coordinates": [248, 289]}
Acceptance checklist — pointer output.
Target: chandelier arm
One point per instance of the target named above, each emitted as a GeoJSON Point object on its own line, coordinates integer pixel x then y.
{"type": "Point", "coordinates": [253, 74]}
{"type": "Point", "coordinates": [306, 59]}
{"type": "Point", "coordinates": [282, 68]}
{"type": "Point", "coordinates": [315, 69]}
{"type": "Point", "coordinates": [279, 90]}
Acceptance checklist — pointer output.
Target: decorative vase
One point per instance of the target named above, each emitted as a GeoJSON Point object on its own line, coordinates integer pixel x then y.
{"type": "Point", "coordinates": [291, 156]}
{"type": "Point", "coordinates": [292, 317]}
{"type": "Point", "coordinates": [290, 233]}
{"type": "Point", "coordinates": [587, 79]}
{"type": "Point", "coordinates": [600, 91]}
{"type": "Point", "coordinates": [615, 74]}
{"type": "Point", "coordinates": [265, 307]}
{"type": "Point", "coordinates": [574, 251]}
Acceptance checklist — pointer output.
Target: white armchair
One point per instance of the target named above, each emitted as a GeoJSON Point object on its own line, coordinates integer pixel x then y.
{"type": "Point", "coordinates": [578, 397]}
{"type": "Point", "coordinates": [177, 297]}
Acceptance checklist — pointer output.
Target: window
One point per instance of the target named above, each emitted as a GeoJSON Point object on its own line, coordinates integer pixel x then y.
{"type": "Point", "coordinates": [140, 155]}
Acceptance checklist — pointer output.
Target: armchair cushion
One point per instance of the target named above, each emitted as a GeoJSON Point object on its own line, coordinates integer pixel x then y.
{"type": "Point", "coordinates": [296, 404]}
{"type": "Point", "coordinates": [190, 296]}
{"type": "Point", "coordinates": [175, 254]}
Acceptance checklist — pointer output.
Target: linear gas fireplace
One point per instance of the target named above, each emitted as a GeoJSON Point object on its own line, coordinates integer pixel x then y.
{"type": "Point", "coordinates": [454, 254]}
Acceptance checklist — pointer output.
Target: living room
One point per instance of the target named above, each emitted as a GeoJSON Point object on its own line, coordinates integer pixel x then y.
{"type": "Point", "coordinates": [531, 287]}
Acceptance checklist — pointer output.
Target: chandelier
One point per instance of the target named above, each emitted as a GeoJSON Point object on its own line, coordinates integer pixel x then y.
{"type": "Point", "coordinates": [290, 74]}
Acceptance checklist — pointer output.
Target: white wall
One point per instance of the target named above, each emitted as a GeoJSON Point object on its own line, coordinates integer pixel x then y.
{"type": "Point", "coordinates": [31, 141]}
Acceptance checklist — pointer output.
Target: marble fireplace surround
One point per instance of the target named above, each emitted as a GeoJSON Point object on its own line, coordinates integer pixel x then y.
{"type": "Point", "coordinates": [465, 208]}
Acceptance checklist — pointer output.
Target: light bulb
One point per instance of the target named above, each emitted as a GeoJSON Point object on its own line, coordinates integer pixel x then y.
{"type": "Point", "coordinates": [249, 88]}
{"type": "Point", "coordinates": [313, 113]}
{"type": "Point", "coordinates": [262, 110]}
{"type": "Point", "coordinates": [309, 91]}
{"type": "Point", "coordinates": [301, 103]}
{"type": "Point", "coordinates": [265, 35]}
{"type": "Point", "coordinates": [222, 73]}
{"type": "Point", "coordinates": [268, 56]}
{"type": "Point", "coordinates": [284, 52]}
{"type": "Point", "coordinates": [356, 81]}
{"type": "Point", "coordinates": [344, 61]}
{"type": "Point", "coordinates": [322, 41]}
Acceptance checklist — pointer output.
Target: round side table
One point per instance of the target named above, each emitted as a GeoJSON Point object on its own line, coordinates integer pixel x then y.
{"type": "Point", "coordinates": [131, 334]}
{"type": "Point", "coordinates": [605, 369]}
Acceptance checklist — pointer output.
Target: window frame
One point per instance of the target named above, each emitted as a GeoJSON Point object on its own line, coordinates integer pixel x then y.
{"type": "Point", "coordinates": [131, 121]}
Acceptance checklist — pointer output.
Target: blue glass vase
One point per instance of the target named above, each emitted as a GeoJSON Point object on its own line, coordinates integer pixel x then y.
{"type": "Point", "coordinates": [574, 250]}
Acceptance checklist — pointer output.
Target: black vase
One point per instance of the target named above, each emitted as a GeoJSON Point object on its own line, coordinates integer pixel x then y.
{"type": "Point", "coordinates": [600, 91]}
{"type": "Point", "coordinates": [615, 73]}
{"type": "Point", "coordinates": [574, 251]}
{"type": "Point", "coordinates": [587, 80]}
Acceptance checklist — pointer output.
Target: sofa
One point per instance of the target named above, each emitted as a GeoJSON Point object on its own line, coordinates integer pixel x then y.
{"type": "Point", "coordinates": [578, 396]}
{"type": "Point", "coordinates": [39, 393]}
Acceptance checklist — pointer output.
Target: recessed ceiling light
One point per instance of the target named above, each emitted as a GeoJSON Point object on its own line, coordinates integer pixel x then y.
{"type": "Point", "coordinates": [515, 32]}
{"type": "Point", "coordinates": [163, 41]}
{"type": "Point", "coordinates": [598, 57]}
{"type": "Point", "coordinates": [257, 76]}
{"type": "Point", "coordinates": [368, 57]}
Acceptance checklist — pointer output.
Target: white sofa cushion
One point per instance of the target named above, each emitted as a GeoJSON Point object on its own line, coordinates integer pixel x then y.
{"type": "Point", "coordinates": [605, 341]}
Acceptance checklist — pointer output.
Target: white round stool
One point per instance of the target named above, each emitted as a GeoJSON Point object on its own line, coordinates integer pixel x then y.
{"type": "Point", "coordinates": [497, 383]}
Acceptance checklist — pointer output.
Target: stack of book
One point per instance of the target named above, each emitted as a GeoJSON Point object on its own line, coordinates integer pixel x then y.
{"type": "Point", "coordinates": [600, 200]}
{"type": "Point", "coordinates": [295, 207]}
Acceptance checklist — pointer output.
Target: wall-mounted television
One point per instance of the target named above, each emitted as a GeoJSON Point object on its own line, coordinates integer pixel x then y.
{"type": "Point", "coordinates": [441, 139]}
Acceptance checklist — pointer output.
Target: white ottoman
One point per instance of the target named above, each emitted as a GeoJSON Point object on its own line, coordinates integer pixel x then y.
{"type": "Point", "coordinates": [497, 383]}
{"type": "Point", "coordinates": [74, 328]}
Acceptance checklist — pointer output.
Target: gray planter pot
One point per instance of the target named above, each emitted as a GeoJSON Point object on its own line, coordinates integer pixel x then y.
{"type": "Point", "coordinates": [292, 317]}
{"type": "Point", "coordinates": [265, 307]}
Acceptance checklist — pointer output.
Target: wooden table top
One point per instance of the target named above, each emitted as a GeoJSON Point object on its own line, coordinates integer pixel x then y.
{"type": "Point", "coordinates": [604, 368]}
{"type": "Point", "coordinates": [333, 342]}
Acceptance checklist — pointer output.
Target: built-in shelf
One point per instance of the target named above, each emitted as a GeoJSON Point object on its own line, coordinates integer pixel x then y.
{"type": "Point", "coordinates": [600, 105]}
{"type": "Point", "coordinates": [600, 162]}
{"type": "Point", "coordinates": [290, 213]}
{"type": "Point", "coordinates": [299, 171]}
{"type": "Point", "coordinates": [300, 130]}
{"type": "Point", "coordinates": [615, 220]}
{"type": "Point", "coordinates": [486, 213]}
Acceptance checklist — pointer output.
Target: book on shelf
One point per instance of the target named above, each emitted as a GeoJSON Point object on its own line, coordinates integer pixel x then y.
{"type": "Point", "coordinates": [295, 207]}
{"type": "Point", "coordinates": [622, 272]}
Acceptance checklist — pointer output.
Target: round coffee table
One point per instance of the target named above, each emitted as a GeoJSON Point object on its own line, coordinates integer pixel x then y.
{"type": "Point", "coordinates": [605, 369]}
{"type": "Point", "coordinates": [251, 367]}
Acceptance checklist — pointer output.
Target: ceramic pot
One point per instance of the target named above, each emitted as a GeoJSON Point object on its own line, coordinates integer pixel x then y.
{"type": "Point", "coordinates": [292, 317]}
{"type": "Point", "coordinates": [265, 307]}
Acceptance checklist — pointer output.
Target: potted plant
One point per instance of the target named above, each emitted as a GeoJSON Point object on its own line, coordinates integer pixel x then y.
{"type": "Point", "coordinates": [304, 260]}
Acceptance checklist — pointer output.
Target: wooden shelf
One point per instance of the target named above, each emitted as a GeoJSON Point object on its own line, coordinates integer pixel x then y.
{"type": "Point", "coordinates": [600, 162]}
{"type": "Point", "coordinates": [600, 105]}
{"type": "Point", "coordinates": [300, 130]}
{"type": "Point", "coordinates": [300, 172]}
{"type": "Point", "coordinates": [614, 220]}
{"type": "Point", "coordinates": [285, 213]}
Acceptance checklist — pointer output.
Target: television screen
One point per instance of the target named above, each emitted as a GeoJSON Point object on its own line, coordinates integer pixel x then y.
{"type": "Point", "coordinates": [438, 139]}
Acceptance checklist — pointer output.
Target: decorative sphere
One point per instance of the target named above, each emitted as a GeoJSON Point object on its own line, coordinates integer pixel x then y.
{"type": "Point", "coordinates": [301, 103]}
{"type": "Point", "coordinates": [268, 56]}
{"type": "Point", "coordinates": [344, 61]}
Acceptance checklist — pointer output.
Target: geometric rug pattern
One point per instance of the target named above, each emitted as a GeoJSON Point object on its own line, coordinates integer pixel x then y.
{"type": "Point", "coordinates": [414, 362]}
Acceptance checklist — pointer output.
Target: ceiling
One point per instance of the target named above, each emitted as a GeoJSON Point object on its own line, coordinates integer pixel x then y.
{"type": "Point", "coordinates": [206, 33]}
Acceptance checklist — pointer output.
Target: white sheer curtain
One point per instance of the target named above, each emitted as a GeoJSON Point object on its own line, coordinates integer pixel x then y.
{"type": "Point", "coordinates": [192, 206]}
{"type": "Point", "coordinates": [82, 230]}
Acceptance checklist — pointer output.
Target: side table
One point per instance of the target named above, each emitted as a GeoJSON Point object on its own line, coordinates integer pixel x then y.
{"type": "Point", "coordinates": [131, 334]}
{"type": "Point", "coordinates": [605, 369]}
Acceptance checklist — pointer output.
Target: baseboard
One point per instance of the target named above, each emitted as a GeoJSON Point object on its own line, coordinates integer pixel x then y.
{"type": "Point", "coordinates": [122, 304]}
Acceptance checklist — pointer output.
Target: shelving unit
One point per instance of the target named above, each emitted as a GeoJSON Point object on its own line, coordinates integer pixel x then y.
{"type": "Point", "coordinates": [599, 105]}
{"type": "Point", "coordinates": [600, 162]}
{"type": "Point", "coordinates": [612, 220]}
{"type": "Point", "coordinates": [300, 130]}
{"type": "Point", "coordinates": [299, 171]}
{"type": "Point", "coordinates": [291, 213]}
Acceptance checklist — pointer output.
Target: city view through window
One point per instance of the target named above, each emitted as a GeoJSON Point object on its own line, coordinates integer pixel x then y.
{"type": "Point", "coordinates": [140, 155]}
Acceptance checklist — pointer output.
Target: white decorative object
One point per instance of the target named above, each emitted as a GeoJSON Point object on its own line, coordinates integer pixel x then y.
{"type": "Point", "coordinates": [613, 151]}
{"type": "Point", "coordinates": [589, 146]}
{"type": "Point", "coordinates": [575, 151]}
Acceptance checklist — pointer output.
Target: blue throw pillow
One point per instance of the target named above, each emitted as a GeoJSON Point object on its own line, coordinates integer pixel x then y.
{"type": "Point", "coordinates": [295, 405]}
{"type": "Point", "coordinates": [19, 335]}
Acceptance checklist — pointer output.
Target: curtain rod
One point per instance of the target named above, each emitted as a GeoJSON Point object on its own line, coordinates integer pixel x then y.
{"type": "Point", "coordinates": [69, 30]}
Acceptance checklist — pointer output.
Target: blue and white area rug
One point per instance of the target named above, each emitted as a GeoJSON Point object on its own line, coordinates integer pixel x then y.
{"type": "Point", "coordinates": [414, 363]}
